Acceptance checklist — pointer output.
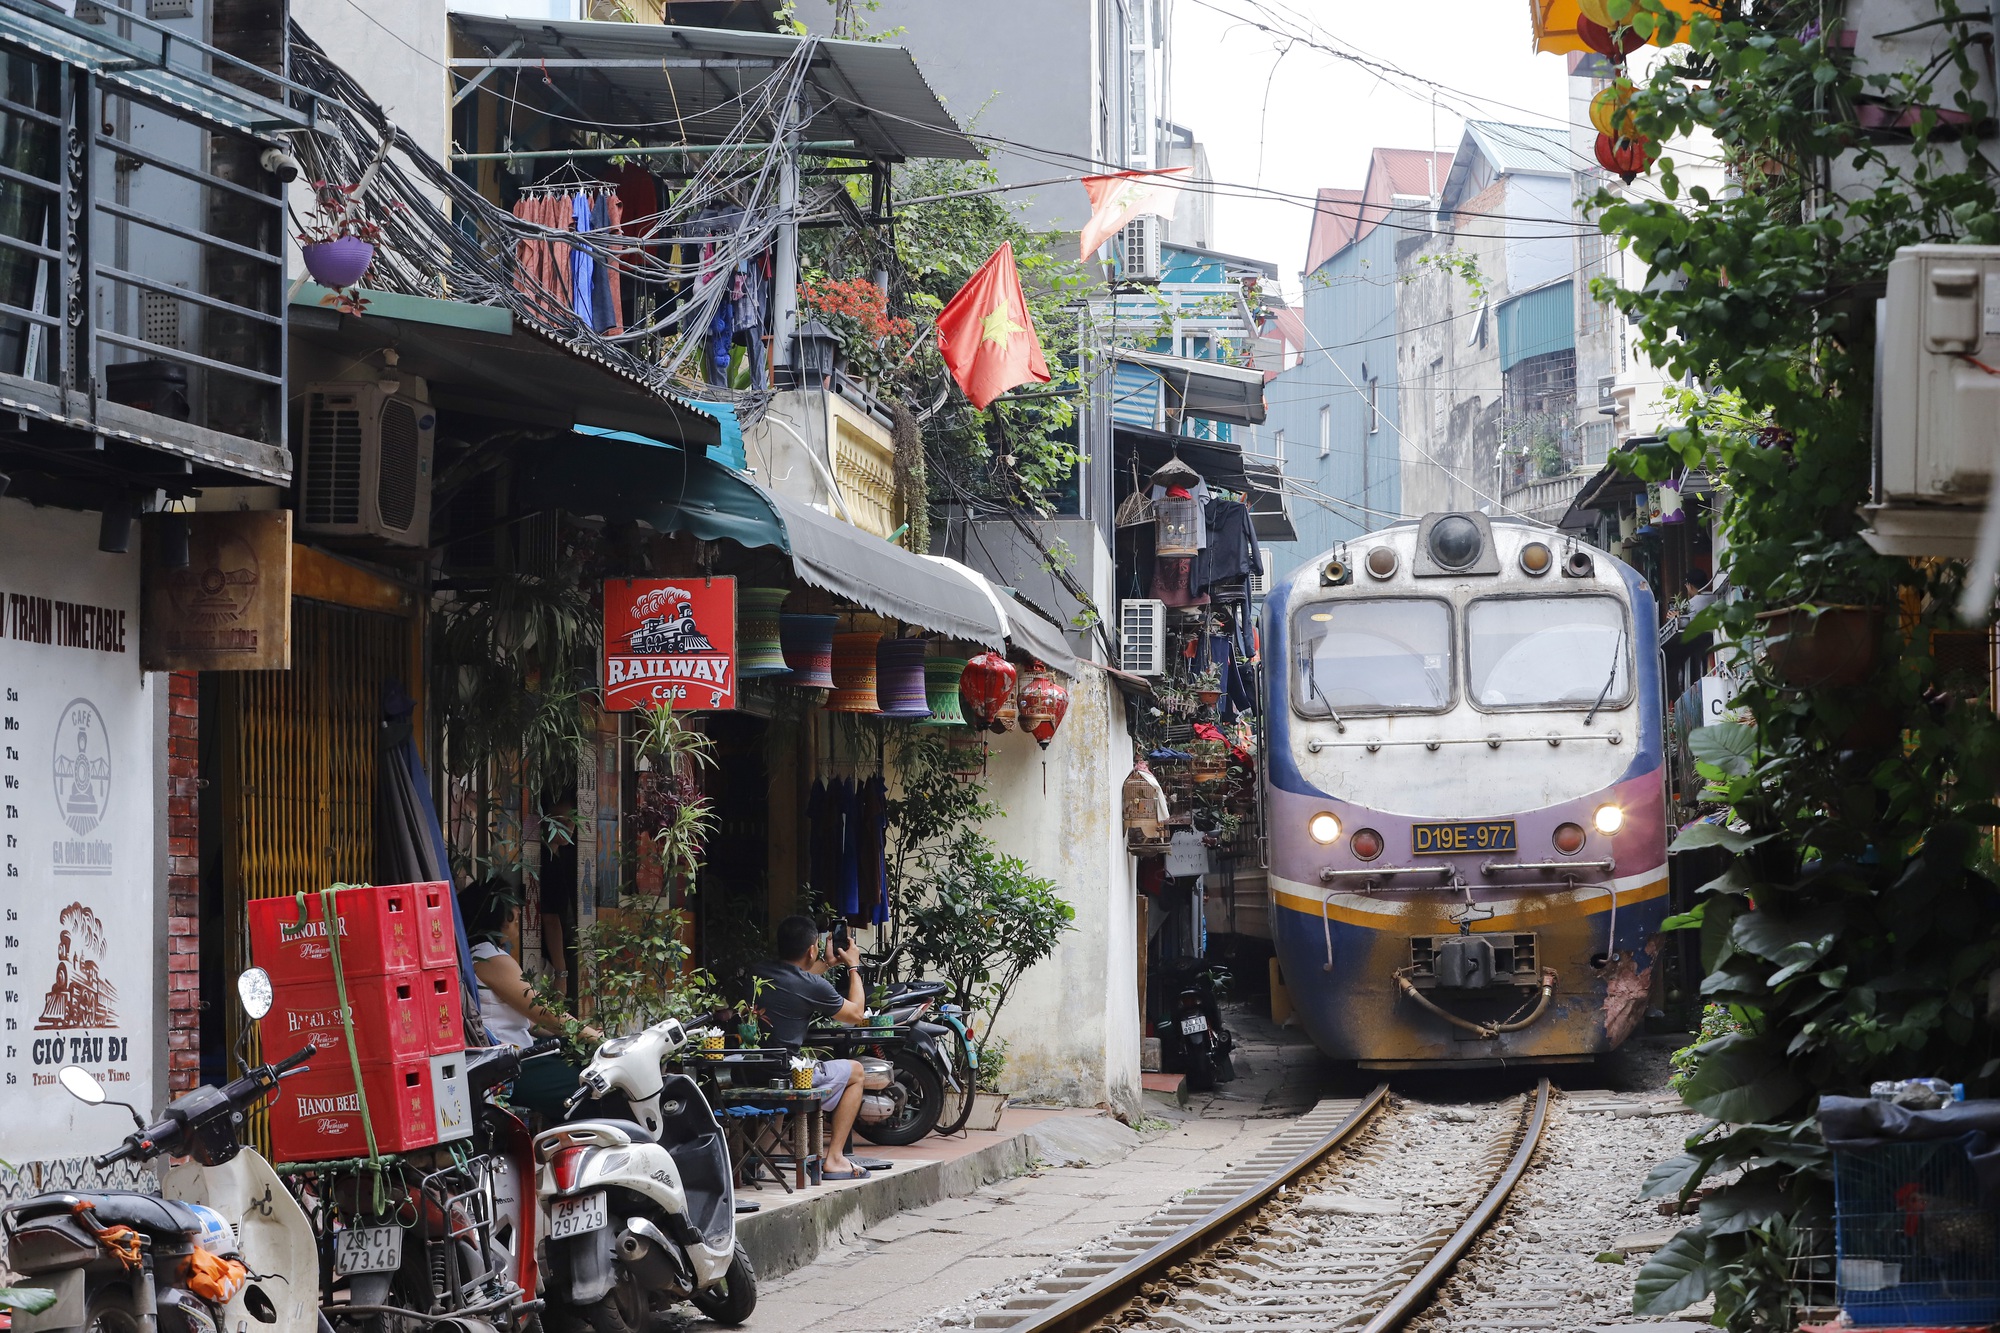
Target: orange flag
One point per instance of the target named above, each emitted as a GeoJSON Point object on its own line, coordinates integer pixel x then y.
{"type": "Point", "coordinates": [986, 334]}
{"type": "Point", "coordinates": [1123, 195]}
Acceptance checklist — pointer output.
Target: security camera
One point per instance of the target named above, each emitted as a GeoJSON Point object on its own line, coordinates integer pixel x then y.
{"type": "Point", "coordinates": [280, 164]}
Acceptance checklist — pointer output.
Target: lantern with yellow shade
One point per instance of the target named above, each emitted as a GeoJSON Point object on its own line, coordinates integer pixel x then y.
{"type": "Point", "coordinates": [1555, 27]}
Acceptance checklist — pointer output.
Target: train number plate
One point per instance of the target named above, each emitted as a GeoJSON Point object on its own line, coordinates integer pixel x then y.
{"type": "Point", "coordinates": [1488, 835]}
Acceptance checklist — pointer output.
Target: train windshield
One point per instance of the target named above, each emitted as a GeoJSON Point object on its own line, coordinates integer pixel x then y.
{"type": "Point", "coordinates": [1383, 655]}
{"type": "Point", "coordinates": [1548, 652]}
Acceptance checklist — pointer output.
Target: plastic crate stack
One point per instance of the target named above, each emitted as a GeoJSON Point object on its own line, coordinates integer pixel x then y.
{"type": "Point", "coordinates": [1915, 1244]}
{"type": "Point", "coordinates": [398, 959]}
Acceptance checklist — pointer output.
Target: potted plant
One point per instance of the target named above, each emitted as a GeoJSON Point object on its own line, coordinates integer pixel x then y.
{"type": "Point", "coordinates": [1815, 647]}
{"type": "Point", "coordinates": [1208, 686]}
{"type": "Point", "coordinates": [1211, 760]}
{"type": "Point", "coordinates": [339, 241]}
{"type": "Point", "coordinates": [982, 921]}
{"type": "Point", "coordinates": [988, 1102]}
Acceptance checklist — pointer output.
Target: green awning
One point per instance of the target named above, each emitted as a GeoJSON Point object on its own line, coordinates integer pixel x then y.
{"type": "Point", "coordinates": [670, 489]}
{"type": "Point", "coordinates": [1536, 323]}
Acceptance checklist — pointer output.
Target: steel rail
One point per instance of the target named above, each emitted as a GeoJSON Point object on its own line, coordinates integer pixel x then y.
{"type": "Point", "coordinates": [1416, 1293]}
{"type": "Point", "coordinates": [1093, 1304]}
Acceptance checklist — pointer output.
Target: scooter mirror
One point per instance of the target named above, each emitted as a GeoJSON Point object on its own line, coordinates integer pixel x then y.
{"type": "Point", "coordinates": [253, 988]}
{"type": "Point", "coordinates": [80, 1085]}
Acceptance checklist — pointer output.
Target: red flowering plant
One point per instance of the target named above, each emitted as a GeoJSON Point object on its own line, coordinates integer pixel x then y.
{"type": "Point", "coordinates": [872, 340]}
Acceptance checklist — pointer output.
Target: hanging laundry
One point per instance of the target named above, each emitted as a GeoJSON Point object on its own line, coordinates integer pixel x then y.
{"type": "Point", "coordinates": [847, 891]}
{"type": "Point", "coordinates": [874, 832]}
{"type": "Point", "coordinates": [583, 268]}
{"type": "Point", "coordinates": [1232, 551]}
{"type": "Point", "coordinates": [1172, 581]}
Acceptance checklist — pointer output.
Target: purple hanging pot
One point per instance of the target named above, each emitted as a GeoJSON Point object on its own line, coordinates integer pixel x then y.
{"type": "Point", "coordinates": [340, 262]}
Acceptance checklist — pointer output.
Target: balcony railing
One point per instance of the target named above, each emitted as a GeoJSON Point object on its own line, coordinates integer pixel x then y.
{"type": "Point", "coordinates": [141, 254]}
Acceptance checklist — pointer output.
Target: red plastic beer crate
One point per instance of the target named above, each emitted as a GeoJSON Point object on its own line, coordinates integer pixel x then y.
{"type": "Point", "coordinates": [384, 929]}
{"type": "Point", "coordinates": [395, 1016]}
{"type": "Point", "coordinates": [414, 1103]}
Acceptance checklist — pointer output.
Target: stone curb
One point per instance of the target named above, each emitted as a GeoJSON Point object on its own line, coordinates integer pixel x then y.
{"type": "Point", "coordinates": [785, 1239]}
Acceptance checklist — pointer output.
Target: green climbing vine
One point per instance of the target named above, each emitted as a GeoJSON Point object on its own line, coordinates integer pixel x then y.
{"type": "Point", "coordinates": [1852, 935]}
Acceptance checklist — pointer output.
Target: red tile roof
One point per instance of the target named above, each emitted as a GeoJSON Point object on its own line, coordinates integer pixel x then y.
{"type": "Point", "coordinates": [1343, 217]}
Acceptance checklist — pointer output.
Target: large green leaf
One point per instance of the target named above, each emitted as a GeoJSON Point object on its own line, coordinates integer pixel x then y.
{"type": "Point", "coordinates": [1697, 836]}
{"type": "Point", "coordinates": [1742, 1080]}
{"type": "Point", "coordinates": [1727, 745]}
{"type": "Point", "coordinates": [1740, 1205]}
{"type": "Point", "coordinates": [1675, 1277]}
{"type": "Point", "coordinates": [1790, 938]}
{"type": "Point", "coordinates": [1671, 1178]}
{"type": "Point", "coordinates": [1718, 915]}
{"type": "Point", "coordinates": [32, 1300]}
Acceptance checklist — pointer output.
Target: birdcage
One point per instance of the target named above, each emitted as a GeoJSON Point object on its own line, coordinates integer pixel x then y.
{"type": "Point", "coordinates": [1915, 1243]}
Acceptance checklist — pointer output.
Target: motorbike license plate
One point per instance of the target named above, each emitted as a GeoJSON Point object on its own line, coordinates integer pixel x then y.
{"type": "Point", "coordinates": [573, 1217]}
{"type": "Point", "coordinates": [1199, 1023]}
{"type": "Point", "coordinates": [368, 1250]}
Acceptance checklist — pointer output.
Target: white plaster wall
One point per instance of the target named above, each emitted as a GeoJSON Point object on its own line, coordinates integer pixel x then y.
{"type": "Point", "coordinates": [398, 53]}
{"type": "Point", "coordinates": [1072, 1025]}
{"type": "Point", "coordinates": [1540, 230]}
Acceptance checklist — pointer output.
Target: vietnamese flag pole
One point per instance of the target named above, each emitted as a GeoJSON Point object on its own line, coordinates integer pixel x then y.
{"type": "Point", "coordinates": [986, 335]}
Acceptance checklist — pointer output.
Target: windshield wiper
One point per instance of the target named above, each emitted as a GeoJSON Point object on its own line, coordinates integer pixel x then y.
{"type": "Point", "coordinates": [1617, 655]}
{"type": "Point", "coordinates": [1312, 686]}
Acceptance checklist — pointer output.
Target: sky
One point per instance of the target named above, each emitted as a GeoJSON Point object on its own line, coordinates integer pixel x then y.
{"type": "Point", "coordinates": [1323, 115]}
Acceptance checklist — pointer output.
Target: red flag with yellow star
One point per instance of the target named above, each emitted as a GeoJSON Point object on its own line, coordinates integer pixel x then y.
{"type": "Point", "coordinates": [986, 334]}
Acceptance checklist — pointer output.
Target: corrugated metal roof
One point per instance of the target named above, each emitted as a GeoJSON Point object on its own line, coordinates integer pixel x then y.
{"type": "Point", "coordinates": [1533, 149]}
{"type": "Point", "coordinates": [1536, 323]}
{"type": "Point", "coordinates": [867, 92]}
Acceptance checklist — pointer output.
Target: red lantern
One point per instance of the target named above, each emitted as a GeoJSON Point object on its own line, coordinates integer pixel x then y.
{"type": "Point", "coordinates": [986, 689]}
{"type": "Point", "coordinates": [1044, 702]}
{"type": "Point", "coordinates": [1624, 157]}
{"type": "Point", "coordinates": [1600, 39]}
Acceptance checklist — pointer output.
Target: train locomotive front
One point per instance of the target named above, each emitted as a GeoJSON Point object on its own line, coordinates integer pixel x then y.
{"type": "Point", "coordinates": [1465, 798]}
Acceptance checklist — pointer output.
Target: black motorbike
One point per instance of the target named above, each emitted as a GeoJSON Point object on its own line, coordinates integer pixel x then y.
{"type": "Point", "coordinates": [1193, 1039]}
{"type": "Point", "coordinates": [199, 1260]}
{"type": "Point", "coordinates": [908, 1105]}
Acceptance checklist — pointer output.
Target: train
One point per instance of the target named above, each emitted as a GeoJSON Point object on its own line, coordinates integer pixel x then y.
{"type": "Point", "coordinates": [1464, 795]}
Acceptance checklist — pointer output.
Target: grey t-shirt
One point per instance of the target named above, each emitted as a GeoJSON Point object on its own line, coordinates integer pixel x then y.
{"type": "Point", "coordinates": [791, 998]}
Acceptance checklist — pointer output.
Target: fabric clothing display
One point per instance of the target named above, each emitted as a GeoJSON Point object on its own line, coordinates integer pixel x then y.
{"type": "Point", "coordinates": [873, 867]}
{"type": "Point", "coordinates": [582, 265]}
{"type": "Point", "coordinates": [1231, 551]}
{"type": "Point", "coordinates": [1173, 577]}
{"type": "Point", "coordinates": [849, 829]}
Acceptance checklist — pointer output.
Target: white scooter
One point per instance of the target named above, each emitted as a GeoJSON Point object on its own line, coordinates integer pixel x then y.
{"type": "Point", "coordinates": [639, 1211]}
{"type": "Point", "coordinates": [224, 1199]}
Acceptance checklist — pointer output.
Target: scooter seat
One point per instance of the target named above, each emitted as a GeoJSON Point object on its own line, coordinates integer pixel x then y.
{"type": "Point", "coordinates": [113, 1208]}
{"type": "Point", "coordinates": [632, 1130]}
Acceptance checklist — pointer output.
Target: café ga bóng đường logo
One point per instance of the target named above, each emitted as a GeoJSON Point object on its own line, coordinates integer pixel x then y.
{"type": "Point", "coordinates": [670, 641]}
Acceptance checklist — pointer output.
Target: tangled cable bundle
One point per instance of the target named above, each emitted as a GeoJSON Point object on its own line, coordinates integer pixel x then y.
{"type": "Point", "coordinates": [729, 204]}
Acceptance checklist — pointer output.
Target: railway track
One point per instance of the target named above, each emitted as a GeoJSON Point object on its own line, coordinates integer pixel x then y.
{"type": "Point", "coordinates": [1349, 1221]}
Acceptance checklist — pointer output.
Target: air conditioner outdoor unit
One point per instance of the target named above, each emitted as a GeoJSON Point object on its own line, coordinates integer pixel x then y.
{"type": "Point", "coordinates": [1937, 406]}
{"type": "Point", "coordinates": [1139, 244]}
{"type": "Point", "coordinates": [365, 460]}
{"type": "Point", "coordinates": [1259, 584]}
{"type": "Point", "coordinates": [1142, 636]}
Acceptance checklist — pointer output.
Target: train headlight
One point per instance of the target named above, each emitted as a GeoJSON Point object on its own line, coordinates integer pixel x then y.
{"type": "Point", "coordinates": [1382, 562]}
{"type": "Point", "coordinates": [1537, 559]}
{"type": "Point", "coordinates": [1608, 819]}
{"type": "Point", "coordinates": [1324, 827]}
{"type": "Point", "coordinates": [1569, 838]}
{"type": "Point", "coordinates": [1366, 844]}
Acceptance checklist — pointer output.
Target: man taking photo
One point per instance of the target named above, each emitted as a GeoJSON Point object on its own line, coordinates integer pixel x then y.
{"type": "Point", "coordinates": [793, 991]}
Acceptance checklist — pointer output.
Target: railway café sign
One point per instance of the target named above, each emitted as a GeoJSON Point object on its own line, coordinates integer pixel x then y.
{"type": "Point", "coordinates": [78, 870]}
{"type": "Point", "coordinates": [670, 641]}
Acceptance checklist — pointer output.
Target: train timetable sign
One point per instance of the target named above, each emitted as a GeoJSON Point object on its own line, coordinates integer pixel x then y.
{"type": "Point", "coordinates": [670, 641]}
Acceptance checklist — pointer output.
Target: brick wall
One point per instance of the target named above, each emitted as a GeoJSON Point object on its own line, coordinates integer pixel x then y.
{"type": "Point", "coordinates": [183, 883]}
